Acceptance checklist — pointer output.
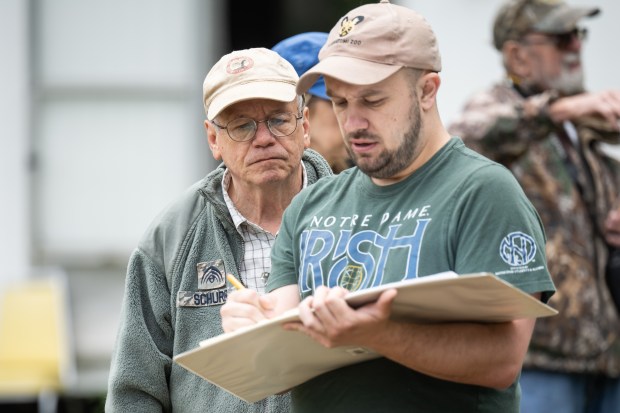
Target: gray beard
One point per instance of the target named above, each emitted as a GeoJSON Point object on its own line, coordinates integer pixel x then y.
{"type": "Point", "coordinates": [568, 82]}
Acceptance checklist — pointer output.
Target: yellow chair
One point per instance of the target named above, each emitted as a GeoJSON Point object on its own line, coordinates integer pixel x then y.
{"type": "Point", "coordinates": [35, 355]}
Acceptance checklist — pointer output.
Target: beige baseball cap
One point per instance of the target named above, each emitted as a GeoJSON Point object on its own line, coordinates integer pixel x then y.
{"type": "Point", "coordinates": [257, 73]}
{"type": "Point", "coordinates": [516, 18]}
{"type": "Point", "coordinates": [372, 42]}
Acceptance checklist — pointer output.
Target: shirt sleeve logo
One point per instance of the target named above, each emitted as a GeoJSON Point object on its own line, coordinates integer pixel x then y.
{"type": "Point", "coordinates": [517, 249]}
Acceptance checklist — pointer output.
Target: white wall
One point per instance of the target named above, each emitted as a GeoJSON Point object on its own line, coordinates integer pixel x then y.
{"type": "Point", "coordinates": [471, 63]}
{"type": "Point", "coordinates": [118, 120]}
{"type": "Point", "coordinates": [14, 143]}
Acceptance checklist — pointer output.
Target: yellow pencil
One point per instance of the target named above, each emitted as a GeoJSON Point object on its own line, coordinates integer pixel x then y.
{"type": "Point", "coordinates": [235, 282]}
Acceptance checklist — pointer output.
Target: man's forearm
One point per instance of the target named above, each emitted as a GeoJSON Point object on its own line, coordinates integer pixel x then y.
{"type": "Point", "coordinates": [488, 355]}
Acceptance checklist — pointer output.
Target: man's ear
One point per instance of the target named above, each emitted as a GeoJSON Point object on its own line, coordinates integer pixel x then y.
{"type": "Point", "coordinates": [306, 126]}
{"type": "Point", "coordinates": [429, 84]}
{"type": "Point", "coordinates": [212, 139]}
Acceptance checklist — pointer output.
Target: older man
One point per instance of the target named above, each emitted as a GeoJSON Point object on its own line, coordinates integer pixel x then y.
{"type": "Point", "coordinates": [542, 124]}
{"type": "Point", "coordinates": [226, 223]}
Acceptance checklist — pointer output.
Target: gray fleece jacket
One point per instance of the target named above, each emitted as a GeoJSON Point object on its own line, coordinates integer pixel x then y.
{"type": "Point", "coordinates": [195, 229]}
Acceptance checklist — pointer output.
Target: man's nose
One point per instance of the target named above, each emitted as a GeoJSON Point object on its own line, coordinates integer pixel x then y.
{"type": "Point", "coordinates": [263, 135]}
{"type": "Point", "coordinates": [354, 121]}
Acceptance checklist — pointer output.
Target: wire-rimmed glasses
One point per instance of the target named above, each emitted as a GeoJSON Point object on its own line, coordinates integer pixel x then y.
{"type": "Point", "coordinates": [244, 129]}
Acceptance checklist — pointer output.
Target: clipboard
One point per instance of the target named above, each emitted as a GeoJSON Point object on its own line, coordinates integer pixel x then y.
{"type": "Point", "coordinates": [264, 359]}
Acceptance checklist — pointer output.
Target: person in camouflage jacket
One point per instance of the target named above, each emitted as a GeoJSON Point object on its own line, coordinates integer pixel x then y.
{"type": "Point", "coordinates": [543, 126]}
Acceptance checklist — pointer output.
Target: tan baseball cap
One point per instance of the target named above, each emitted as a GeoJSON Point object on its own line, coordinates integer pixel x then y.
{"type": "Point", "coordinates": [372, 42]}
{"type": "Point", "coordinates": [516, 18]}
{"type": "Point", "coordinates": [257, 73]}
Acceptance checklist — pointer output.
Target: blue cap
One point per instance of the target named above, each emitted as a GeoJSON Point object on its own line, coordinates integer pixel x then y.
{"type": "Point", "coordinates": [302, 51]}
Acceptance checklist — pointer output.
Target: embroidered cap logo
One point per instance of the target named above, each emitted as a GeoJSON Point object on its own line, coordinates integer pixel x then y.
{"type": "Point", "coordinates": [346, 25]}
{"type": "Point", "coordinates": [239, 64]}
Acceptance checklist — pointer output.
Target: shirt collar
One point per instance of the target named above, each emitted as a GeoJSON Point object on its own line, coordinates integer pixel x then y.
{"type": "Point", "coordinates": [237, 217]}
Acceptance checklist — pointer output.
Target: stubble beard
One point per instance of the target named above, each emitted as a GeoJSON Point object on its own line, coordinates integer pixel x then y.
{"type": "Point", "coordinates": [388, 163]}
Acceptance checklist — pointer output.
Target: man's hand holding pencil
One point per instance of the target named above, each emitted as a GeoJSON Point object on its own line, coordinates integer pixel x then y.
{"type": "Point", "coordinates": [247, 306]}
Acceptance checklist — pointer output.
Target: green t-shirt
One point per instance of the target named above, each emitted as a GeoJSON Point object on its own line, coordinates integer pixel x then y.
{"type": "Point", "coordinates": [459, 212]}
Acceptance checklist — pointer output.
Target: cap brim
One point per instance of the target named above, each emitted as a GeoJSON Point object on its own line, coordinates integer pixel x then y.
{"type": "Point", "coordinates": [565, 19]}
{"type": "Point", "coordinates": [347, 69]}
{"type": "Point", "coordinates": [270, 90]}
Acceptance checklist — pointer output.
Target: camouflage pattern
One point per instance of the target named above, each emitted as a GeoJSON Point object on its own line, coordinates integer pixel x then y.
{"type": "Point", "coordinates": [515, 131]}
{"type": "Point", "coordinates": [518, 17]}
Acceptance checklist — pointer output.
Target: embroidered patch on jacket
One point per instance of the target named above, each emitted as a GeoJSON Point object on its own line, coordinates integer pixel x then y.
{"type": "Point", "coordinates": [211, 275]}
{"type": "Point", "coordinates": [211, 282]}
{"type": "Point", "coordinates": [201, 298]}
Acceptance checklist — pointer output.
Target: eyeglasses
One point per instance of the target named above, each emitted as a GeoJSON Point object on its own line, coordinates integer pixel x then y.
{"type": "Point", "coordinates": [561, 41]}
{"type": "Point", "coordinates": [244, 129]}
